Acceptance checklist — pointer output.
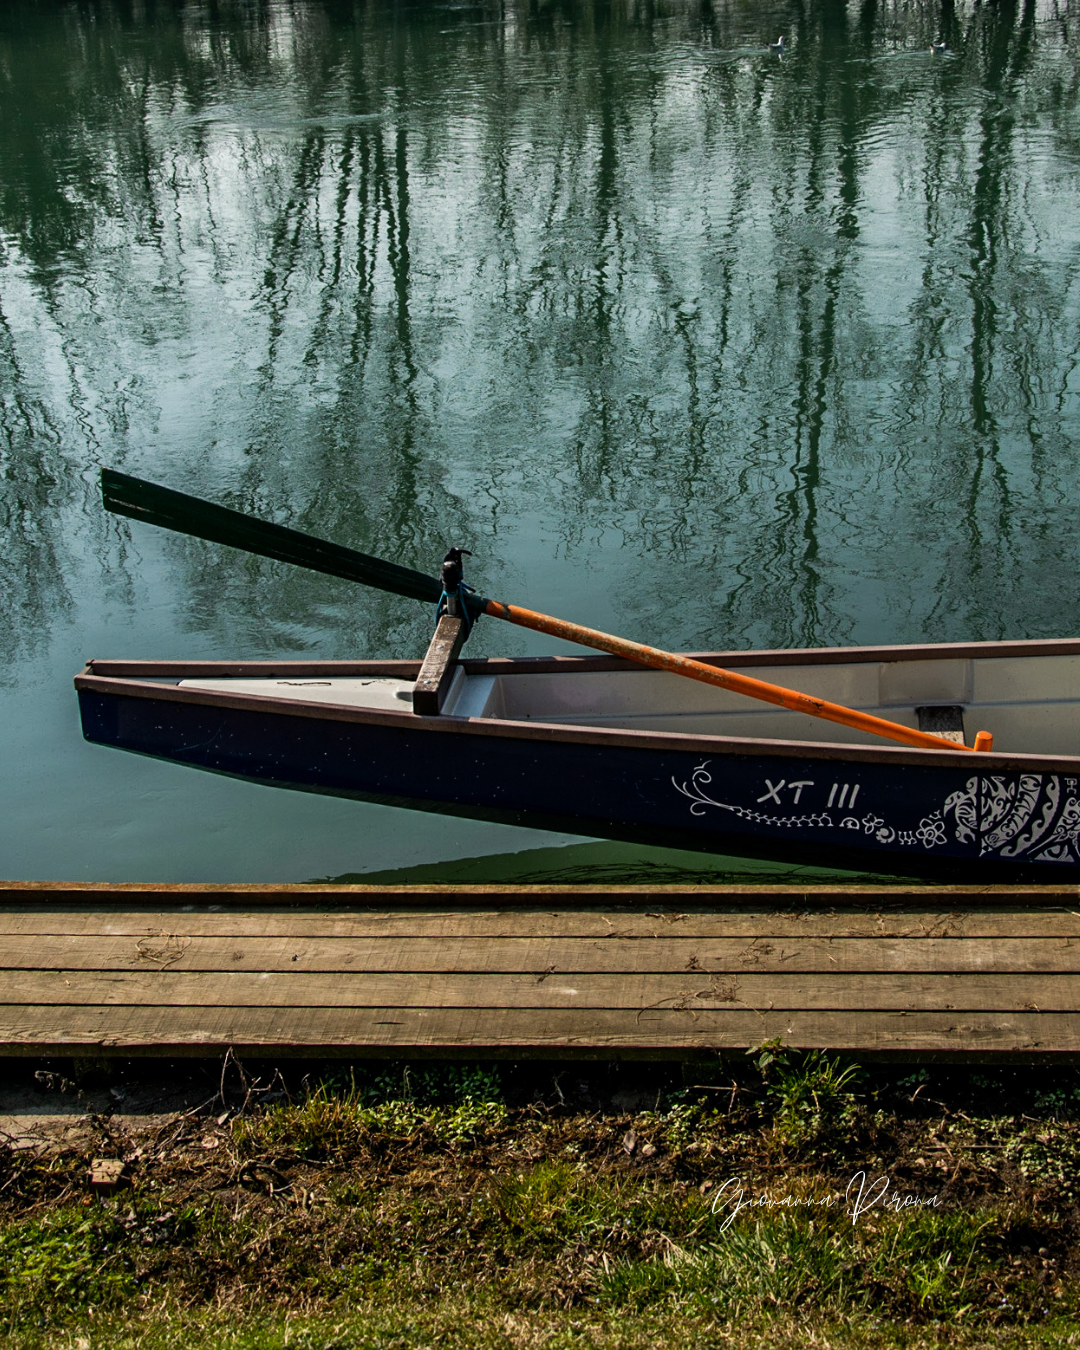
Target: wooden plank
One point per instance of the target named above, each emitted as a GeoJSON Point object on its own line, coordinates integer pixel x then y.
{"type": "Point", "coordinates": [126, 974]}
{"type": "Point", "coordinates": [697, 923]}
{"type": "Point", "coordinates": [248, 895]}
{"type": "Point", "coordinates": [632, 990]}
{"type": "Point", "coordinates": [170, 1031]}
{"type": "Point", "coordinates": [537, 956]}
{"type": "Point", "coordinates": [437, 671]}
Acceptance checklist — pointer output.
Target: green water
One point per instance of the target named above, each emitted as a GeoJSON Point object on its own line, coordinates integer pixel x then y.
{"type": "Point", "coordinates": [685, 340]}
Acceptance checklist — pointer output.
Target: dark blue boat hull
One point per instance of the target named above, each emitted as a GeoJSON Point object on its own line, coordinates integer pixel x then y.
{"type": "Point", "coordinates": [882, 813]}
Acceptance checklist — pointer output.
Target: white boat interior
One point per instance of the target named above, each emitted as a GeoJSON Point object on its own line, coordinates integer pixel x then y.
{"type": "Point", "coordinates": [1031, 704]}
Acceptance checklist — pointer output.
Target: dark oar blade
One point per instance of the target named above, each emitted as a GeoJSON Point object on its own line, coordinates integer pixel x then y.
{"type": "Point", "coordinates": [127, 496]}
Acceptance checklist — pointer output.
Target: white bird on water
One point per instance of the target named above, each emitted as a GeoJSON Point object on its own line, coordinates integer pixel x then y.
{"type": "Point", "coordinates": [937, 49]}
{"type": "Point", "coordinates": [778, 45]}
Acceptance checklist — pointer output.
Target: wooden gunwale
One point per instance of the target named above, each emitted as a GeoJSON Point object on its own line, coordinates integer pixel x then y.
{"type": "Point", "coordinates": [504, 728]}
{"type": "Point", "coordinates": [544, 665]}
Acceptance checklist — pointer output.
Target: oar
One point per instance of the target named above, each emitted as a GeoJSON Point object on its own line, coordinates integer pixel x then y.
{"type": "Point", "coordinates": [128, 496]}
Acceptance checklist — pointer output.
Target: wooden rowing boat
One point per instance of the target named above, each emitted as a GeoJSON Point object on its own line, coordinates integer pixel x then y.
{"type": "Point", "coordinates": [599, 746]}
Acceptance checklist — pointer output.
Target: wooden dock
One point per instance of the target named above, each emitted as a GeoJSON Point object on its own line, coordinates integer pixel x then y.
{"type": "Point", "coordinates": [489, 971]}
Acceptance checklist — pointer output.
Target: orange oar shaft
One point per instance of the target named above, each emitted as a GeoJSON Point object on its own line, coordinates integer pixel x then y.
{"type": "Point", "coordinates": [725, 679]}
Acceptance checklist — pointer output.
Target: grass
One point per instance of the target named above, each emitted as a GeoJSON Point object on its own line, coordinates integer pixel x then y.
{"type": "Point", "coordinates": [797, 1200]}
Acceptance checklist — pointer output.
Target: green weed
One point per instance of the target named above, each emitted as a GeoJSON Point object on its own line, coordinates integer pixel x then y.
{"type": "Point", "coordinates": [435, 1085]}
{"type": "Point", "coordinates": [549, 1202]}
{"type": "Point", "coordinates": [919, 1263]}
{"type": "Point", "coordinates": [1048, 1158]}
{"type": "Point", "coordinates": [811, 1095]}
{"type": "Point", "coordinates": [69, 1259]}
{"type": "Point", "coordinates": [338, 1119]}
{"type": "Point", "coordinates": [1058, 1103]}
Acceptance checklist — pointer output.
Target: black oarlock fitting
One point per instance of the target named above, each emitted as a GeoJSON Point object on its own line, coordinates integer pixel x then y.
{"type": "Point", "coordinates": [451, 575]}
{"type": "Point", "coordinates": [452, 569]}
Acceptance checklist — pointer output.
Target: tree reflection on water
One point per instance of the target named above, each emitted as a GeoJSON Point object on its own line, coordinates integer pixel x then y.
{"type": "Point", "coordinates": [607, 292]}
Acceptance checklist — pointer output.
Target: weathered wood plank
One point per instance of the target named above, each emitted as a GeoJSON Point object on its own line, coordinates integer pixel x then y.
{"type": "Point", "coordinates": [539, 955]}
{"type": "Point", "coordinates": [755, 923]}
{"type": "Point", "coordinates": [509, 1031]}
{"type": "Point", "coordinates": [151, 975]}
{"type": "Point", "coordinates": [632, 990]}
{"type": "Point", "coordinates": [433, 683]}
{"type": "Point", "coordinates": [249, 894]}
